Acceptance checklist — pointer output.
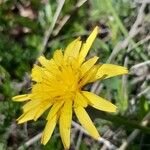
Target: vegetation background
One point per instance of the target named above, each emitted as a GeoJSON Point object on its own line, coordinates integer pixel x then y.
{"type": "Point", "coordinates": [29, 28]}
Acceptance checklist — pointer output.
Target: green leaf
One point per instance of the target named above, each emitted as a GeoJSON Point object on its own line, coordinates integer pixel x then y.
{"type": "Point", "coordinates": [119, 120]}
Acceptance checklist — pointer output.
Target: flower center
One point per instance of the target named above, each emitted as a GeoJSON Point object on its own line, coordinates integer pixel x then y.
{"type": "Point", "coordinates": [69, 78]}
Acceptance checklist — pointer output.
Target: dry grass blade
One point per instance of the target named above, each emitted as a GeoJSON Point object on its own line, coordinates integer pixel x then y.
{"type": "Point", "coordinates": [49, 31]}
{"type": "Point", "coordinates": [132, 33]}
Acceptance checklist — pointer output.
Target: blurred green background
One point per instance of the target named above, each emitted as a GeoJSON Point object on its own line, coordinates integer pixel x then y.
{"type": "Point", "coordinates": [125, 28]}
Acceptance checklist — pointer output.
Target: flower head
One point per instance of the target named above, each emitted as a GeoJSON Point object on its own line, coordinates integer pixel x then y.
{"type": "Point", "coordinates": [58, 85]}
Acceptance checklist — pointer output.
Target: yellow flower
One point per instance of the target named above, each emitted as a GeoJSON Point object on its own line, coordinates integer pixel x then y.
{"type": "Point", "coordinates": [58, 85]}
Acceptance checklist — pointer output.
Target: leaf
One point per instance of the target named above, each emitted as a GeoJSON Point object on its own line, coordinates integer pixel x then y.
{"type": "Point", "coordinates": [119, 120]}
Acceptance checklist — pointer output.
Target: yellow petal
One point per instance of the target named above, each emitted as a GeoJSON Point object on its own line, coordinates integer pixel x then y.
{"type": "Point", "coordinates": [50, 126]}
{"type": "Point", "coordinates": [88, 65]}
{"type": "Point", "coordinates": [33, 110]}
{"type": "Point", "coordinates": [55, 108]}
{"type": "Point", "coordinates": [65, 123]}
{"type": "Point", "coordinates": [99, 103]}
{"type": "Point", "coordinates": [29, 105]}
{"type": "Point", "coordinates": [80, 100]}
{"type": "Point", "coordinates": [42, 108]}
{"type": "Point", "coordinates": [48, 64]}
{"type": "Point", "coordinates": [86, 122]}
{"type": "Point", "coordinates": [58, 57]}
{"type": "Point", "coordinates": [21, 98]}
{"type": "Point", "coordinates": [27, 116]}
{"type": "Point", "coordinates": [86, 46]}
{"type": "Point", "coordinates": [43, 61]}
{"type": "Point", "coordinates": [89, 76]}
{"type": "Point", "coordinates": [37, 73]}
{"type": "Point", "coordinates": [108, 70]}
{"type": "Point", "coordinates": [73, 49]}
